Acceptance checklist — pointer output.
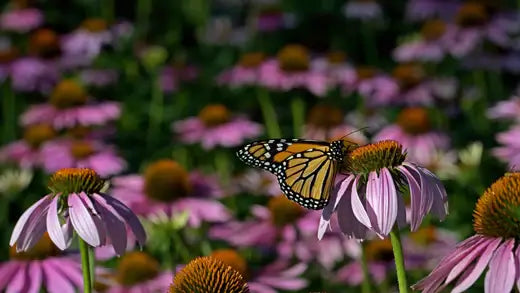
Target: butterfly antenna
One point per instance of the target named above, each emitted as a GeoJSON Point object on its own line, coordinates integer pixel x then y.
{"type": "Point", "coordinates": [354, 131]}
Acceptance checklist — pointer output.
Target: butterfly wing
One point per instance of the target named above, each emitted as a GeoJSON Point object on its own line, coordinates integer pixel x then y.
{"type": "Point", "coordinates": [305, 168]}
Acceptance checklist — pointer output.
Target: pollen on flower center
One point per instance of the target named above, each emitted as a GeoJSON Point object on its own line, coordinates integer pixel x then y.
{"type": "Point", "coordinates": [231, 258]}
{"type": "Point", "coordinates": [251, 60]}
{"type": "Point", "coordinates": [434, 29]}
{"type": "Point", "coordinates": [324, 116]}
{"type": "Point", "coordinates": [471, 14]}
{"type": "Point", "coordinates": [208, 274]}
{"type": "Point", "coordinates": [214, 115]}
{"type": "Point", "coordinates": [379, 250]}
{"type": "Point", "coordinates": [497, 213]}
{"type": "Point", "coordinates": [68, 93]}
{"type": "Point", "coordinates": [43, 249]}
{"type": "Point", "coordinates": [293, 58]}
{"type": "Point", "coordinates": [81, 149]}
{"type": "Point", "coordinates": [37, 134]}
{"type": "Point", "coordinates": [284, 211]}
{"type": "Point", "coordinates": [166, 180]}
{"type": "Point", "coordinates": [136, 267]}
{"type": "Point", "coordinates": [95, 25]}
{"type": "Point", "coordinates": [374, 157]}
{"type": "Point", "coordinates": [414, 120]}
{"type": "Point", "coordinates": [336, 57]}
{"type": "Point", "coordinates": [44, 43]}
{"type": "Point", "coordinates": [365, 72]}
{"type": "Point", "coordinates": [408, 75]}
{"type": "Point", "coordinates": [75, 180]}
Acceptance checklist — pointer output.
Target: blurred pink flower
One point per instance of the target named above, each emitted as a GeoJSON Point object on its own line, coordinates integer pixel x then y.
{"type": "Point", "coordinates": [71, 153]}
{"type": "Point", "coordinates": [30, 74]}
{"type": "Point", "coordinates": [363, 10]}
{"type": "Point", "coordinates": [182, 191]}
{"type": "Point", "coordinates": [412, 130]}
{"type": "Point", "coordinates": [509, 149]}
{"type": "Point", "coordinates": [99, 77]}
{"type": "Point", "coordinates": [278, 276]}
{"type": "Point", "coordinates": [245, 73]}
{"type": "Point", "coordinates": [42, 267]}
{"type": "Point", "coordinates": [21, 153]}
{"type": "Point", "coordinates": [84, 115]}
{"type": "Point", "coordinates": [21, 20]}
{"type": "Point", "coordinates": [338, 71]}
{"type": "Point", "coordinates": [377, 88]}
{"type": "Point", "coordinates": [418, 10]}
{"type": "Point", "coordinates": [171, 76]}
{"type": "Point", "coordinates": [76, 198]}
{"type": "Point", "coordinates": [214, 127]}
{"type": "Point", "coordinates": [352, 273]}
{"type": "Point", "coordinates": [369, 198]}
{"type": "Point", "coordinates": [509, 109]}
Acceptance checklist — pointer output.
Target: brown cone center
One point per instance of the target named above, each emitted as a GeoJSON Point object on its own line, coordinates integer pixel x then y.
{"type": "Point", "coordinates": [166, 180]}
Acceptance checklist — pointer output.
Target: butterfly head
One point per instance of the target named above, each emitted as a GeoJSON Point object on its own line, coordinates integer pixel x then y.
{"type": "Point", "coordinates": [339, 148]}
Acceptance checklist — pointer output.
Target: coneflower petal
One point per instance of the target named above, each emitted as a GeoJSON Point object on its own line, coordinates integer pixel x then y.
{"type": "Point", "coordinates": [336, 196]}
{"type": "Point", "coordinates": [53, 225]}
{"type": "Point", "coordinates": [115, 224]}
{"type": "Point", "coordinates": [501, 274]}
{"type": "Point", "coordinates": [55, 281]}
{"type": "Point", "coordinates": [35, 281]}
{"type": "Point", "coordinates": [473, 274]}
{"type": "Point", "coordinates": [348, 223]}
{"type": "Point", "coordinates": [98, 221]}
{"type": "Point", "coordinates": [517, 265]}
{"type": "Point", "coordinates": [388, 203]}
{"type": "Point", "coordinates": [415, 197]}
{"type": "Point", "coordinates": [462, 265]}
{"type": "Point", "coordinates": [22, 222]}
{"type": "Point", "coordinates": [34, 231]}
{"type": "Point", "coordinates": [130, 218]}
{"type": "Point", "coordinates": [373, 200]}
{"type": "Point", "coordinates": [358, 207]}
{"type": "Point", "coordinates": [82, 221]}
{"type": "Point", "coordinates": [19, 281]}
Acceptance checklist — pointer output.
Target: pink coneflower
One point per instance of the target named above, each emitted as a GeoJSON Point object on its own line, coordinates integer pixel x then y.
{"type": "Point", "coordinates": [327, 123]}
{"type": "Point", "coordinates": [29, 74]}
{"type": "Point", "coordinates": [21, 20]}
{"type": "Point", "coordinates": [214, 126]}
{"type": "Point", "coordinates": [377, 88]}
{"type": "Point", "coordinates": [81, 153]}
{"type": "Point", "coordinates": [493, 246]}
{"type": "Point", "coordinates": [363, 10]}
{"type": "Point", "coordinates": [413, 131]}
{"type": "Point", "coordinates": [244, 73]}
{"type": "Point", "coordinates": [506, 110]}
{"type": "Point", "coordinates": [292, 70]}
{"type": "Point", "coordinates": [509, 151]}
{"type": "Point", "coordinates": [69, 106]}
{"type": "Point", "coordinates": [371, 196]}
{"type": "Point", "coordinates": [84, 44]}
{"type": "Point", "coordinates": [166, 186]}
{"type": "Point", "coordinates": [271, 278]}
{"type": "Point", "coordinates": [76, 204]}
{"type": "Point", "coordinates": [41, 267]}
{"type": "Point", "coordinates": [417, 10]}
{"type": "Point", "coordinates": [337, 69]}
{"type": "Point", "coordinates": [139, 272]}
{"type": "Point", "coordinates": [27, 152]}
{"type": "Point", "coordinates": [172, 76]}
{"type": "Point", "coordinates": [413, 86]}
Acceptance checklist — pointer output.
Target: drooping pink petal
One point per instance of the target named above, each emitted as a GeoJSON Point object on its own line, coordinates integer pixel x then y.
{"type": "Point", "coordinates": [114, 223]}
{"type": "Point", "coordinates": [54, 226]}
{"type": "Point", "coordinates": [358, 208]}
{"type": "Point", "coordinates": [130, 218]}
{"type": "Point", "coordinates": [348, 223]}
{"type": "Point", "coordinates": [337, 193]}
{"type": "Point", "coordinates": [415, 197]}
{"type": "Point", "coordinates": [19, 282]}
{"type": "Point", "coordinates": [100, 224]}
{"type": "Point", "coordinates": [382, 198]}
{"type": "Point", "coordinates": [68, 230]}
{"type": "Point", "coordinates": [517, 264]}
{"type": "Point", "coordinates": [256, 287]}
{"type": "Point", "coordinates": [55, 281]}
{"type": "Point", "coordinates": [35, 279]}
{"type": "Point", "coordinates": [501, 274]}
{"type": "Point", "coordinates": [82, 221]}
{"type": "Point", "coordinates": [22, 222]}
{"type": "Point", "coordinates": [373, 196]}
{"type": "Point", "coordinates": [33, 231]}
{"type": "Point", "coordinates": [7, 271]}
{"type": "Point", "coordinates": [69, 268]}
{"type": "Point", "coordinates": [473, 274]}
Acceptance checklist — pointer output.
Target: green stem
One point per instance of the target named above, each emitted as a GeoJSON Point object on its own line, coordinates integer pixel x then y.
{"type": "Point", "coordinates": [180, 247]}
{"type": "Point", "coordinates": [496, 86]}
{"type": "Point", "coordinates": [480, 80]}
{"type": "Point", "coordinates": [269, 113]}
{"type": "Point", "coordinates": [365, 286]}
{"type": "Point", "coordinates": [298, 115]}
{"type": "Point", "coordinates": [85, 266]}
{"type": "Point", "coordinates": [155, 110]}
{"type": "Point", "coordinates": [92, 265]}
{"type": "Point", "coordinates": [222, 166]}
{"type": "Point", "coordinates": [397, 247]}
{"type": "Point", "coordinates": [9, 114]}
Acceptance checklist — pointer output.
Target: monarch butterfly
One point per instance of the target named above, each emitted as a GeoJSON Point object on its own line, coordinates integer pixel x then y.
{"type": "Point", "coordinates": [305, 168]}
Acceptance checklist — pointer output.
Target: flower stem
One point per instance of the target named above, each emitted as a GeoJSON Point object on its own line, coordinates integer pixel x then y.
{"type": "Point", "coordinates": [91, 265]}
{"type": "Point", "coordinates": [397, 247]}
{"type": "Point", "coordinates": [270, 119]}
{"type": "Point", "coordinates": [155, 111]}
{"type": "Point", "coordinates": [298, 115]}
{"type": "Point", "coordinates": [365, 286]}
{"type": "Point", "coordinates": [85, 266]}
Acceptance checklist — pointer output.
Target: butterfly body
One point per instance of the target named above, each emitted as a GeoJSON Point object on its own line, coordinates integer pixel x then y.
{"type": "Point", "coordinates": [305, 168]}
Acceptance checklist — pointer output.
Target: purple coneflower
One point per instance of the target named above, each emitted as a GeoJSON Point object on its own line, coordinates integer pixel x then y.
{"type": "Point", "coordinates": [509, 109]}
{"type": "Point", "coordinates": [245, 72]}
{"type": "Point", "coordinates": [509, 151]}
{"type": "Point", "coordinates": [215, 126]}
{"type": "Point", "coordinates": [413, 131]}
{"type": "Point", "coordinates": [166, 186]}
{"type": "Point", "coordinates": [21, 20]}
{"type": "Point", "coordinates": [139, 272]}
{"type": "Point", "coordinates": [76, 204]}
{"type": "Point", "coordinates": [418, 10]}
{"type": "Point", "coordinates": [494, 246]}
{"type": "Point", "coordinates": [371, 197]}
{"type": "Point", "coordinates": [363, 10]}
{"type": "Point", "coordinates": [172, 76]}
{"type": "Point", "coordinates": [81, 153]}
{"type": "Point", "coordinates": [69, 107]}
{"type": "Point", "coordinates": [377, 88]}
{"type": "Point", "coordinates": [41, 267]}
{"type": "Point", "coordinates": [29, 74]}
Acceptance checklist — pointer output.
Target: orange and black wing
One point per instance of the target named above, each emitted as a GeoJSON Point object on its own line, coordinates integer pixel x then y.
{"type": "Point", "coordinates": [305, 168]}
